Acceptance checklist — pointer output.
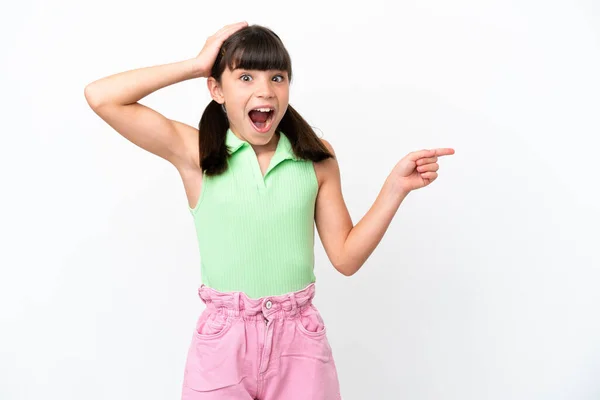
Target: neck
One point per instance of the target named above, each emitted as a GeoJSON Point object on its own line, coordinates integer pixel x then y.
{"type": "Point", "coordinates": [269, 147]}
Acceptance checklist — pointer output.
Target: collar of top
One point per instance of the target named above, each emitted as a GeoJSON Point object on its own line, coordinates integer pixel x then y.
{"type": "Point", "coordinates": [282, 152]}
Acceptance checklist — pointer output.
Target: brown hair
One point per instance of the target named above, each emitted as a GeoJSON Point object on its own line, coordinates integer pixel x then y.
{"type": "Point", "coordinates": [255, 48]}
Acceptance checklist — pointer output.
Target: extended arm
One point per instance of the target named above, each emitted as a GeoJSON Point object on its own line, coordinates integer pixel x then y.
{"type": "Point", "coordinates": [348, 246]}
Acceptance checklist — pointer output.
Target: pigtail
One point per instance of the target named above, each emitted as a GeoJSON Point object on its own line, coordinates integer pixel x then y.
{"type": "Point", "coordinates": [213, 149]}
{"type": "Point", "coordinates": [305, 142]}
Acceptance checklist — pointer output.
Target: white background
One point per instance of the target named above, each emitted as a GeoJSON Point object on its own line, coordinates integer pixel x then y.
{"type": "Point", "coordinates": [485, 286]}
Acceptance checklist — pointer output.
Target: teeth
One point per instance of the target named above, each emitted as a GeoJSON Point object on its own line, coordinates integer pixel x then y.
{"type": "Point", "coordinates": [263, 109]}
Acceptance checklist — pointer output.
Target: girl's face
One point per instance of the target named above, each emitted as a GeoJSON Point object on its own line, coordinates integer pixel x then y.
{"type": "Point", "coordinates": [243, 92]}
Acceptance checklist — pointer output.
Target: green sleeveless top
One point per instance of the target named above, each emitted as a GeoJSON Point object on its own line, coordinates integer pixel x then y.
{"type": "Point", "coordinates": [255, 233]}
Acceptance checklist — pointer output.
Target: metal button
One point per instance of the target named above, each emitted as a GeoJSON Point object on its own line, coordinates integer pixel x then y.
{"type": "Point", "coordinates": [268, 304]}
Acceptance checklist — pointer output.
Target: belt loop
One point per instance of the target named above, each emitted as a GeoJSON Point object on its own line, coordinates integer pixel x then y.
{"type": "Point", "coordinates": [236, 303]}
{"type": "Point", "coordinates": [294, 304]}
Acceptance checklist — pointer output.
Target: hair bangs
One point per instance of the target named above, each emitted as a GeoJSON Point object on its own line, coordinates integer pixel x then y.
{"type": "Point", "coordinates": [259, 52]}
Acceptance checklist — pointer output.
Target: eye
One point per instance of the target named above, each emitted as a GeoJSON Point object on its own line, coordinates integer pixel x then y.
{"type": "Point", "coordinates": [281, 78]}
{"type": "Point", "coordinates": [246, 76]}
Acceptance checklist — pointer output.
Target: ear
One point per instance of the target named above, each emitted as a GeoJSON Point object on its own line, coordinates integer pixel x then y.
{"type": "Point", "coordinates": [215, 90]}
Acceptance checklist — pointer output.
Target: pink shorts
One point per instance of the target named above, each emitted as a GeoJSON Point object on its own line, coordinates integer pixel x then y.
{"type": "Point", "coordinates": [270, 348]}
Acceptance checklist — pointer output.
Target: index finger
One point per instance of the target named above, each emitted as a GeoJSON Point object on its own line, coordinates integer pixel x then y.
{"type": "Point", "coordinates": [446, 151]}
{"type": "Point", "coordinates": [431, 153]}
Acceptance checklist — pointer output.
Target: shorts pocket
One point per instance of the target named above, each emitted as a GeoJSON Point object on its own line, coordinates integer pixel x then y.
{"type": "Point", "coordinates": [212, 324]}
{"type": "Point", "coordinates": [310, 323]}
{"type": "Point", "coordinates": [213, 360]}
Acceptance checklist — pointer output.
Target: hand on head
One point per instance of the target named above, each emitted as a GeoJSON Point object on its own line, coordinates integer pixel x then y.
{"type": "Point", "coordinates": [207, 56]}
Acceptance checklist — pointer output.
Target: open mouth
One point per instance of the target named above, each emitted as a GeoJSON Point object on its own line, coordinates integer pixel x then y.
{"type": "Point", "coordinates": [261, 118]}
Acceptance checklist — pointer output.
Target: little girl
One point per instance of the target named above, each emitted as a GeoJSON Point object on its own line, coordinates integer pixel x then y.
{"type": "Point", "coordinates": [257, 179]}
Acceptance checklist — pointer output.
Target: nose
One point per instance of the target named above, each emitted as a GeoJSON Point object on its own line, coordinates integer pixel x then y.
{"type": "Point", "coordinates": [265, 89]}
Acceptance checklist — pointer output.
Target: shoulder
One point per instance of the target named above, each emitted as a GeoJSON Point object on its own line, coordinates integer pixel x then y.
{"type": "Point", "coordinates": [328, 169]}
{"type": "Point", "coordinates": [328, 145]}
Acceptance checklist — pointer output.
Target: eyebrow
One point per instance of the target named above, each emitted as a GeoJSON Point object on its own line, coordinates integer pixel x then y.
{"type": "Point", "coordinates": [278, 71]}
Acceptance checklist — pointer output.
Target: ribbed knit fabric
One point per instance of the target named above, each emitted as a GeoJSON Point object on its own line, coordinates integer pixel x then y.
{"type": "Point", "coordinates": [255, 233]}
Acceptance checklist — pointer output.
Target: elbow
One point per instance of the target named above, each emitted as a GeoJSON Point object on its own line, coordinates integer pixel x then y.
{"type": "Point", "coordinates": [92, 97]}
{"type": "Point", "coordinates": [89, 96]}
{"type": "Point", "coordinates": [346, 270]}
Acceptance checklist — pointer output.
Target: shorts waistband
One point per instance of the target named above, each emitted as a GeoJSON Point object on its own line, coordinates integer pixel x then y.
{"type": "Point", "coordinates": [239, 304]}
